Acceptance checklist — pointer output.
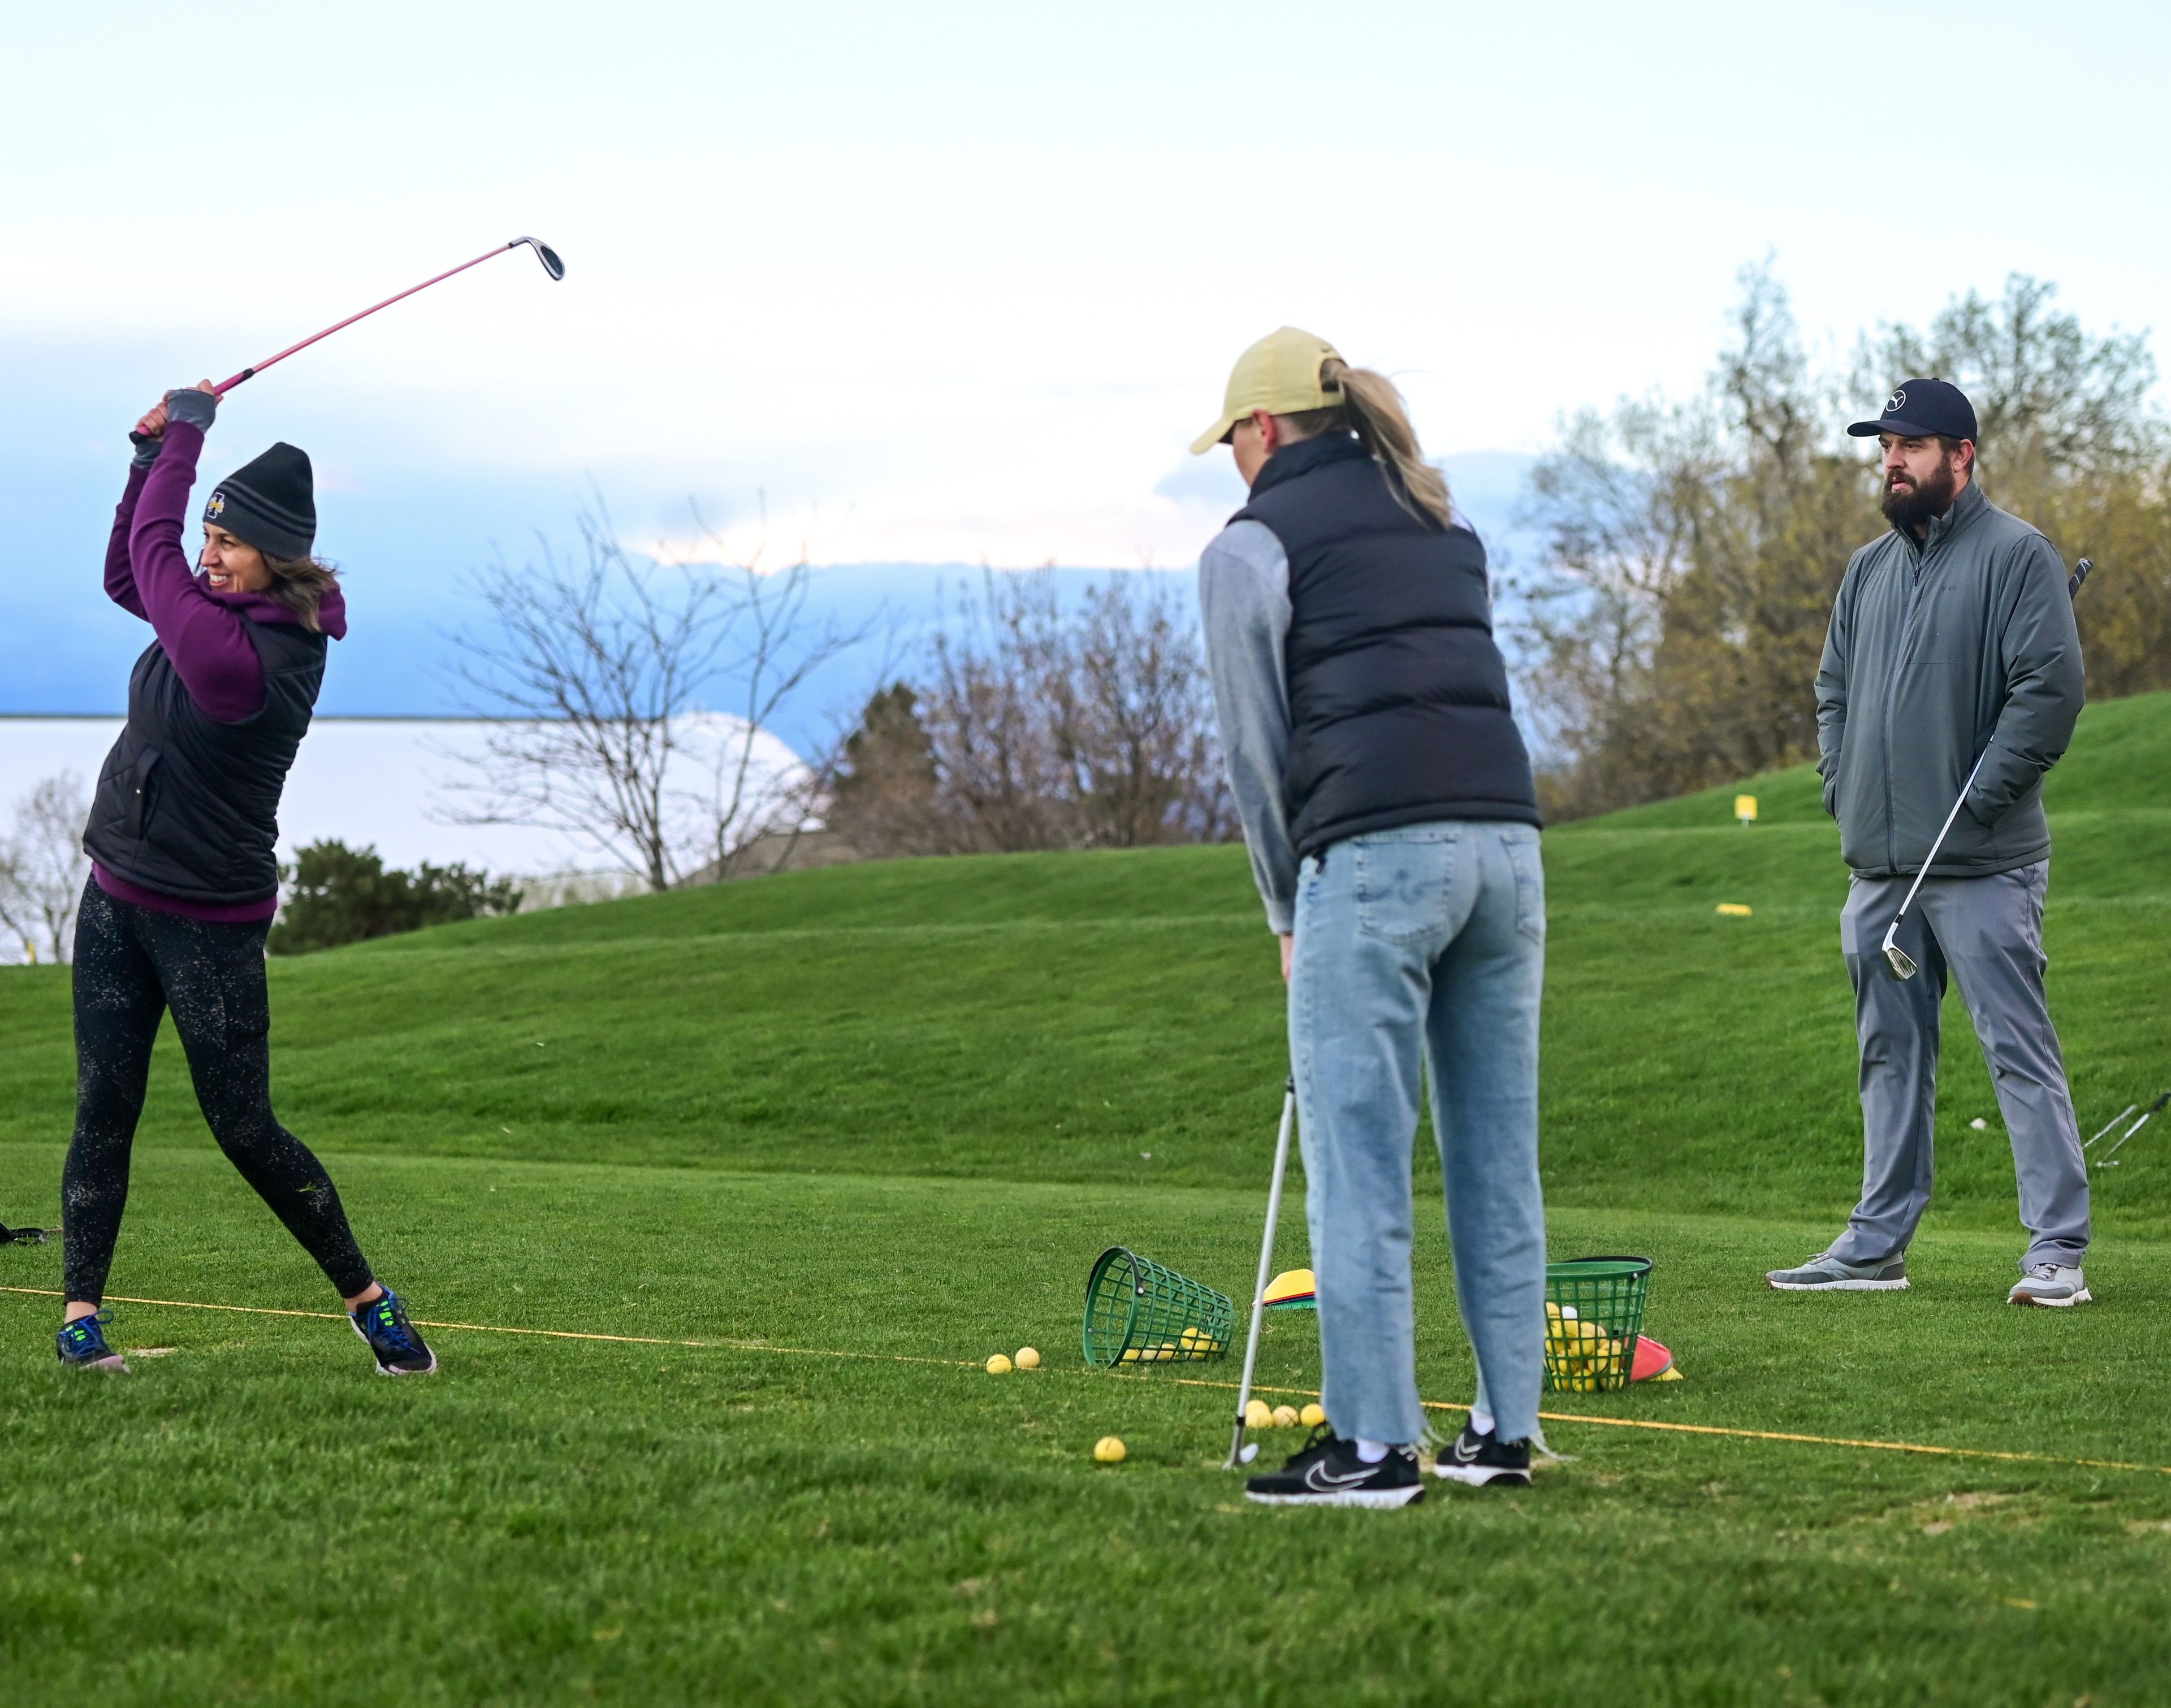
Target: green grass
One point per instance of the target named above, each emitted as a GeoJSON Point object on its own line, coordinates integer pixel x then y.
{"type": "Point", "coordinates": [893, 1112]}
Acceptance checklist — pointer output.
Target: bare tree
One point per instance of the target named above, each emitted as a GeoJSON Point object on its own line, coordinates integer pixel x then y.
{"type": "Point", "coordinates": [1039, 727]}
{"type": "Point", "coordinates": [599, 671]}
{"type": "Point", "coordinates": [43, 867]}
{"type": "Point", "coordinates": [776, 645]}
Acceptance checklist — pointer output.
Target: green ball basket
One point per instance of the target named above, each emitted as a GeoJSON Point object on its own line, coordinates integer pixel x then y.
{"type": "Point", "coordinates": [1137, 1312]}
{"type": "Point", "coordinates": [1607, 1293]}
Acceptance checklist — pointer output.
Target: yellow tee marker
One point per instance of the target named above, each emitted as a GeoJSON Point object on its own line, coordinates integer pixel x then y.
{"type": "Point", "coordinates": [1735, 910]}
{"type": "Point", "coordinates": [1744, 808]}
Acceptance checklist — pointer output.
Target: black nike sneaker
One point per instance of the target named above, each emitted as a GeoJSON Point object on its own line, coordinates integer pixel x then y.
{"type": "Point", "coordinates": [400, 1352]}
{"type": "Point", "coordinates": [1482, 1460]}
{"type": "Point", "coordinates": [1326, 1472]}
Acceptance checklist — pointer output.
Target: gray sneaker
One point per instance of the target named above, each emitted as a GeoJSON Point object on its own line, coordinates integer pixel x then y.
{"type": "Point", "coordinates": [2051, 1284]}
{"type": "Point", "coordinates": [1825, 1273]}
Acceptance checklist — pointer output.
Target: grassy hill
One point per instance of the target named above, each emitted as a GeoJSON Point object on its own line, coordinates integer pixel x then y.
{"type": "Point", "coordinates": [1054, 1017]}
{"type": "Point", "coordinates": [818, 1145]}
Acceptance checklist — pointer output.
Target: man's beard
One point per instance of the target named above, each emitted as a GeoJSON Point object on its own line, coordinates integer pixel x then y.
{"type": "Point", "coordinates": [1914, 507]}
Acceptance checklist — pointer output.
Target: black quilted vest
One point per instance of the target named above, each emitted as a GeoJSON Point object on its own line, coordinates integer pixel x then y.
{"type": "Point", "coordinates": [189, 808]}
{"type": "Point", "coordinates": [1398, 695]}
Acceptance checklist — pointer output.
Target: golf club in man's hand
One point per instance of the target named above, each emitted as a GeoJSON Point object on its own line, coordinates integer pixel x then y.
{"type": "Point", "coordinates": [543, 253]}
{"type": "Point", "coordinates": [1902, 962]}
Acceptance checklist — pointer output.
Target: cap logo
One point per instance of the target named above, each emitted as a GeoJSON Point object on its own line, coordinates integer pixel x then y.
{"type": "Point", "coordinates": [1898, 400]}
{"type": "Point", "coordinates": [216, 508]}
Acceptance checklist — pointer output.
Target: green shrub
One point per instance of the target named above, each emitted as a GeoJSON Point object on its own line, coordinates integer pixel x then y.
{"type": "Point", "coordinates": [336, 894]}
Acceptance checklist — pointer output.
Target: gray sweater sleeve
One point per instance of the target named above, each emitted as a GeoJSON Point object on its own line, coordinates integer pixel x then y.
{"type": "Point", "coordinates": [1244, 602]}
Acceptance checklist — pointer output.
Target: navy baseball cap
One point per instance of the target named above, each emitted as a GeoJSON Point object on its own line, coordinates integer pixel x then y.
{"type": "Point", "coordinates": [1922, 408]}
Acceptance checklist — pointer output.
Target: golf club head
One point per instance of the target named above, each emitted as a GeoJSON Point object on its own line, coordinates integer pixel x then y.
{"type": "Point", "coordinates": [544, 254]}
{"type": "Point", "coordinates": [1903, 964]}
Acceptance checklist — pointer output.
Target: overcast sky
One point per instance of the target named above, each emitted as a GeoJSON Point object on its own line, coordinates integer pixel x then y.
{"type": "Point", "coordinates": [959, 282]}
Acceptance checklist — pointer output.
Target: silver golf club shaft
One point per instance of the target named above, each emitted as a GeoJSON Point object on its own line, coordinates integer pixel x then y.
{"type": "Point", "coordinates": [1266, 1272]}
{"type": "Point", "coordinates": [1902, 962]}
{"type": "Point", "coordinates": [2145, 1116]}
{"type": "Point", "coordinates": [2110, 1124]}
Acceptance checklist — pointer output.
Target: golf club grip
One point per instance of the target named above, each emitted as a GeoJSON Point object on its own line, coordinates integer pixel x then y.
{"type": "Point", "coordinates": [2079, 576]}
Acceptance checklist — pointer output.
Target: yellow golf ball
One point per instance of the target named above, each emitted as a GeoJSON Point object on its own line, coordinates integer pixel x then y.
{"type": "Point", "coordinates": [1312, 1415]}
{"type": "Point", "coordinates": [1109, 1449]}
{"type": "Point", "coordinates": [999, 1365]}
{"type": "Point", "coordinates": [1027, 1359]}
{"type": "Point", "coordinates": [1285, 1416]}
{"type": "Point", "coordinates": [1258, 1414]}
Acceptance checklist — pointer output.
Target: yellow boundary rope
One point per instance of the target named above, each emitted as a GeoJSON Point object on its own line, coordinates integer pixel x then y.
{"type": "Point", "coordinates": [744, 1346]}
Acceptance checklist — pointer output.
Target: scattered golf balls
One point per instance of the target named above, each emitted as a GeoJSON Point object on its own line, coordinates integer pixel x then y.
{"type": "Point", "coordinates": [1285, 1416]}
{"type": "Point", "coordinates": [1109, 1449]}
{"type": "Point", "coordinates": [999, 1365]}
{"type": "Point", "coordinates": [1980, 1125]}
{"type": "Point", "coordinates": [1312, 1415]}
{"type": "Point", "coordinates": [1258, 1414]}
{"type": "Point", "coordinates": [1027, 1359]}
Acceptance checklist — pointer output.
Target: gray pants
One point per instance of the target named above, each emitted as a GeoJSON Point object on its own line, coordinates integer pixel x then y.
{"type": "Point", "coordinates": [1989, 933]}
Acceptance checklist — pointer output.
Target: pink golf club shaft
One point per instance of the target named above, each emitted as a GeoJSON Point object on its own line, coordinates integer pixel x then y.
{"type": "Point", "coordinates": [228, 385]}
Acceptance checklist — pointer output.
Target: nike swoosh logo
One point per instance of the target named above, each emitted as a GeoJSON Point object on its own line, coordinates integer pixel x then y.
{"type": "Point", "coordinates": [1469, 1457]}
{"type": "Point", "coordinates": [1319, 1477]}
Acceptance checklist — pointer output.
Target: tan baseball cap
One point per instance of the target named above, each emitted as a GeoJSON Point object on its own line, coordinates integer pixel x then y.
{"type": "Point", "coordinates": [1279, 374]}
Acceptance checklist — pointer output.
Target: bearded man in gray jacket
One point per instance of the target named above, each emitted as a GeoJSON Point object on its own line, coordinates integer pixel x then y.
{"type": "Point", "coordinates": [1952, 664]}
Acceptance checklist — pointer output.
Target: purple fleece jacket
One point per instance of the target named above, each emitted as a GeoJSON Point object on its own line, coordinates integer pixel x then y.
{"type": "Point", "coordinates": [149, 575]}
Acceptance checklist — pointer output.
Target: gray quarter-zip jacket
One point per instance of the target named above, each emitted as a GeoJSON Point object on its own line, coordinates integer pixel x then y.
{"type": "Point", "coordinates": [1938, 652]}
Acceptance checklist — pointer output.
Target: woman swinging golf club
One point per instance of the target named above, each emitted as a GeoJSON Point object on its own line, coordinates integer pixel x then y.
{"type": "Point", "coordinates": [1387, 800]}
{"type": "Point", "coordinates": [184, 881]}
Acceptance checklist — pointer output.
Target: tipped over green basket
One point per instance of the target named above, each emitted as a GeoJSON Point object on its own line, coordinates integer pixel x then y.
{"type": "Point", "coordinates": [1139, 1312]}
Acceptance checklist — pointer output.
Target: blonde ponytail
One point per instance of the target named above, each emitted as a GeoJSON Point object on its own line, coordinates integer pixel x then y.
{"type": "Point", "coordinates": [1372, 408]}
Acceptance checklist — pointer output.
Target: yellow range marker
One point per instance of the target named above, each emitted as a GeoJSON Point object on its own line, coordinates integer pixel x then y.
{"type": "Point", "coordinates": [739, 1345]}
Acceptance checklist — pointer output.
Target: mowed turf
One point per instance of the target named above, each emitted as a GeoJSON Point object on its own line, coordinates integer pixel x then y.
{"type": "Point", "coordinates": [893, 1112]}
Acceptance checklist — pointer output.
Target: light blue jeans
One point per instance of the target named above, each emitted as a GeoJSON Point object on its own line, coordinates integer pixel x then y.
{"type": "Point", "coordinates": [1427, 944]}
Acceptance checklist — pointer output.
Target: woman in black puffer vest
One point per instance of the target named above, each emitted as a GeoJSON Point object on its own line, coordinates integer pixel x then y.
{"type": "Point", "coordinates": [1387, 801]}
{"type": "Point", "coordinates": [183, 876]}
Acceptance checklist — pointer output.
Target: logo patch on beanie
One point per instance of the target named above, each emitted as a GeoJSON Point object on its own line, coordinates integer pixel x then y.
{"type": "Point", "coordinates": [216, 508]}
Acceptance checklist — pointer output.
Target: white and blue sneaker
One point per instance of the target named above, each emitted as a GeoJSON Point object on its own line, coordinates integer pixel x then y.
{"type": "Point", "coordinates": [82, 1345]}
{"type": "Point", "coordinates": [400, 1352]}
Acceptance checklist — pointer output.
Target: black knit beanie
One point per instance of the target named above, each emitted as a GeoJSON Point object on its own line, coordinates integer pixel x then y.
{"type": "Point", "coordinates": [269, 504]}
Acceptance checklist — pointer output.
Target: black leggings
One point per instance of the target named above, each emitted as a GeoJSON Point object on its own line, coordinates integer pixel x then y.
{"type": "Point", "coordinates": [131, 964]}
